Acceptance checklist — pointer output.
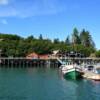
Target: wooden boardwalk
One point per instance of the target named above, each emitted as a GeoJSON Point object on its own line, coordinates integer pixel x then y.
{"type": "Point", "coordinates": [77, 58]}
{"type": "Point", "coordinates": [24, 62]}
{"type": "Point", "coordinates": [39, 62]}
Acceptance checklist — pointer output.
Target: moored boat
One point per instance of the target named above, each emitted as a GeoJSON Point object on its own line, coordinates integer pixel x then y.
{"type": "Point", "coordinates": [90, 72]}
{"type": "Point", "coordinates": [71, 71]}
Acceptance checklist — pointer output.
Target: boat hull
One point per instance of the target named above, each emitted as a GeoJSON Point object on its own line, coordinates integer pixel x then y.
{"type": "Point", "coordinates": [74, 74]}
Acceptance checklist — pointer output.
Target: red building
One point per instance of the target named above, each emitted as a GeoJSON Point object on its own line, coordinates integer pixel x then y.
{"type": "Point", "coordinates": [36, 56]}
{"type": "Point", "coordinates": [32, 56]}
{"type": "Point", "coordinates": [45, 56]}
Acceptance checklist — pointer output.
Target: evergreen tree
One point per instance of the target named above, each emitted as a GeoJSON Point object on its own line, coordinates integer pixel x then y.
{"type": "Point", "coordinates": [75, 37]}
{"type": "Point", "coordinates": [56, 41]}
{"type": "Point", "coordinates": [67, 41]}
{"type": "Point", "coordinates": [86, 39]}
{"type": "Point", "coordinates": [40, 37]}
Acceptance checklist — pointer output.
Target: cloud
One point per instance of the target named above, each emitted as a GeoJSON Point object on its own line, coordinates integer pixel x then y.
{"type": "Point", "coordinates": [4, 21]}
{"type": "Point", "coordinates": [40, 7]}
{"type": "Point", "coordinates": [8, 12]}
{"type": "Point", "coordinates": [4, 2]}
{"type": "Point", "coordinates": [29, 8]}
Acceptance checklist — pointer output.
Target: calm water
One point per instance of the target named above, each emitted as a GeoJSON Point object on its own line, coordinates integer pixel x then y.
{"type": "Point", "coordinates": [44, 84]}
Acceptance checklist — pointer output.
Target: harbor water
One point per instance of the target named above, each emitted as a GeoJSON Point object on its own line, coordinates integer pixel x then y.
{"type": "Point", "coordinates": [44, 84]}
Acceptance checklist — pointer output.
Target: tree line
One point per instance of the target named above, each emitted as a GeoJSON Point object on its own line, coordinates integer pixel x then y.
{"type": "Point", "coordinates": [17, 46]}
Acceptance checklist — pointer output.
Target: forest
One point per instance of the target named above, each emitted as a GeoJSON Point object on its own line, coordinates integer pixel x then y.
{"type": "Point", "coordinates": [17, 46]}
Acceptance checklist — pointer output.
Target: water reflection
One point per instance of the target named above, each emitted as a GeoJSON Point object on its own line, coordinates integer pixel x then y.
{"type": "Point", "coordinates": [82, 89]}
{"type": "Point", "coordinates": [44, 84]}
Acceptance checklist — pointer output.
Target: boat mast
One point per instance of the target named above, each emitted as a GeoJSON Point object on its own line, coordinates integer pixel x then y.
{"type": "Point", "coordinates": [73, 51]}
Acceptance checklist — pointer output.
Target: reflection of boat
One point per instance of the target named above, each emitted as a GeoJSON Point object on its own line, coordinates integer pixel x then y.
{"type": "Point", "coordinates": [0, 60]}
{"type": "Point", "coordinates": [71, 70]}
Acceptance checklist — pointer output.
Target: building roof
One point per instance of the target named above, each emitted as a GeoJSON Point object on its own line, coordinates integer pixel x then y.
{"type": "Point", "coordinates": [35, 55]}
{"type": "Point", "coordinates": [32, 55]}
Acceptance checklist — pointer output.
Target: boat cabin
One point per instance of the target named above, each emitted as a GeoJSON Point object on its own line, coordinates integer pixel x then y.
{"type": "Point", "coordinates": [90, 68]}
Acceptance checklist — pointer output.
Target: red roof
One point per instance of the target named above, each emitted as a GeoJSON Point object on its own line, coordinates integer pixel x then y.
{"type": "Point", "coordinates": [35, 56]}
{"type": "Point", "coordinates": [32, 55]}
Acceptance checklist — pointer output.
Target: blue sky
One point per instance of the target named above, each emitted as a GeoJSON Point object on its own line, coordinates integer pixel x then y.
{"type": "Point", "coordinates": [51, 18]}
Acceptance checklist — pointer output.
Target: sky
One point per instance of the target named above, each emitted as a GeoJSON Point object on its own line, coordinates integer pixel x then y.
{"type": "Point", "coordinates": [51, 18]}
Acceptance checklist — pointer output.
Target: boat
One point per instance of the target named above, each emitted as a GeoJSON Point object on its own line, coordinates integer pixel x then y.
{"type": "Point", "coordinates": [90, 72]}
{"type": "Point", "coordinates": [71, 70]}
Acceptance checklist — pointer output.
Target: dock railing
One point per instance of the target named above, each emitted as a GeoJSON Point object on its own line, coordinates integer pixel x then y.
{"type": "Point", "coordinates": [52, 57]}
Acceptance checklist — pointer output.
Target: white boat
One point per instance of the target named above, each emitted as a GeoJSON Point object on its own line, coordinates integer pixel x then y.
{"type": "Point", "coordinates": [71, 70]}
{"type": "Point", "coordinates": [90, 72]}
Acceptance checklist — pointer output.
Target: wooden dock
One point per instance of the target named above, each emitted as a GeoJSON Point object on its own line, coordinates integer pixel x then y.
{"type": "Point", "coordinates": [24, 62]}
{"type": "Point", "coordinates": [51, 61]}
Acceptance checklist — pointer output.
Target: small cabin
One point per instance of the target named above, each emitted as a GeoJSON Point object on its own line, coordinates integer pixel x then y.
{"type": "Point", "coordinates": [32, 56]}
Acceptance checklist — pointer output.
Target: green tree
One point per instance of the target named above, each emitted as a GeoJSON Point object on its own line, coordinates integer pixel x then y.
{"type": "Point", "coordinates": [75, 37]}
{"type": "Point", "coordinates": [41, 37]}
{"type": "Point", "coordinates": [67, 41]}
{"type": "Point", "coordinates": [97, 53]}
{"type": "Point", "coordinates": [9, 37]}
{"type": "Point", "coordinates": [86, 39]}
{"type": "Point", "coordinates": [13, 45]}
{"type": "Point", "coordinates": [30, 38]}
{"type": "Point", "coordinates": [56, 41]}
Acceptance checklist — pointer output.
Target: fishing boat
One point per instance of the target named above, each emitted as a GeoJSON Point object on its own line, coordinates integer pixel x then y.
{"type": "Point", "coordinates": [72, 71]}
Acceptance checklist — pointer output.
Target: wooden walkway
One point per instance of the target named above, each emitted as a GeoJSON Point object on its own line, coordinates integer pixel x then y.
{"type": "Point", "coordinates": [77, 58]}
{"type": "Point", "coordinates": [51, 61]}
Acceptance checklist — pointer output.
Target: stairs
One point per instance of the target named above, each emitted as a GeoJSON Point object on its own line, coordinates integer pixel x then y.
{"type": "Point", "coordinates": [60, 61]}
